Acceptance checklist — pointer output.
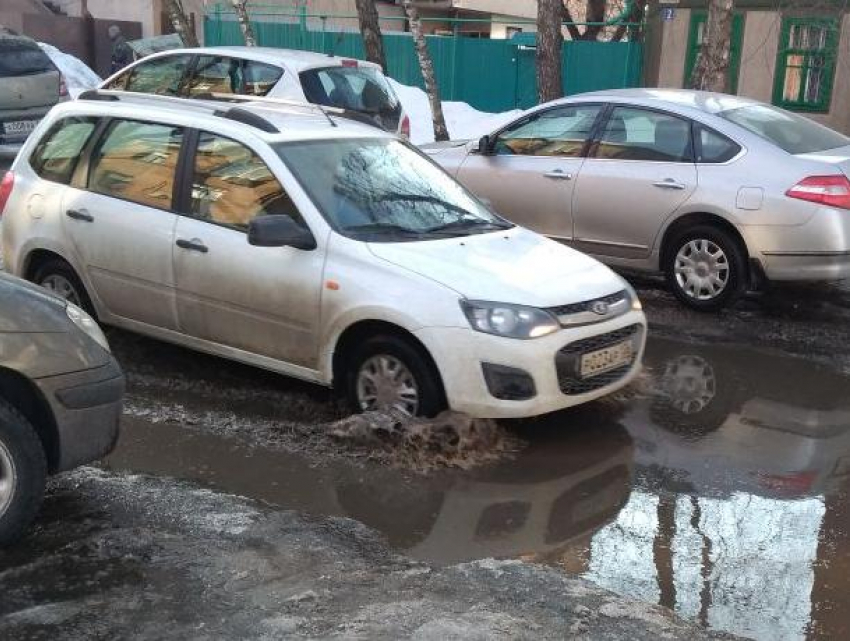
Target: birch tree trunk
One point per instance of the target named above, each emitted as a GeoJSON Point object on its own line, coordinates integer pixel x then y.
{"type": "Point", "coordinates": [712, 64]}
{"type": "Point", "coordinates": [239, 6]}
{"type": "Point", "coordinates": [370, 30]}
{"type": "Point", "coordinates": [550, 41]}
{"type": "Point", "coordinates": [180, 22]}
{"type": "Point", "coordinates": [441, 132]}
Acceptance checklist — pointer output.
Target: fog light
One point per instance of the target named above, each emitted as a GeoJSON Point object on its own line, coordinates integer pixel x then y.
{"type": "Point", "coordinates": [508, 383]}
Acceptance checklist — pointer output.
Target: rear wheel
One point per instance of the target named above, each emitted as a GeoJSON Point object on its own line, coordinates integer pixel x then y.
{"type": "Point", "coordinates": [387, 372]}
{"type": "Point", "coordinates": [59, 277]}
{"type": "Point", "coordinates": [23, 473]}
{"type": "Point", "coordinates": [706, 268]}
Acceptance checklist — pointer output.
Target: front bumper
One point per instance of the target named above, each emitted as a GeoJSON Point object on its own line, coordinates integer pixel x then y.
{"type": "Point", "coordinates": [460, 352]}
{"type": "Point", "coordinates": [87, 408]}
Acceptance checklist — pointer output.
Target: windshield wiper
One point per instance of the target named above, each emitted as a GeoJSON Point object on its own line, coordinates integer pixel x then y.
{"type": "Point", "coordinates": [421, 198]}
{"type": "Point", "coordinates": [474, 223]}
{"type": "Point", "coordinates": [383, 227]}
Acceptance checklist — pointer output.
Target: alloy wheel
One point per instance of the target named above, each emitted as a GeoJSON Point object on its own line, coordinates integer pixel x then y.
{"type": "Point", "coordinates": [385, 382]}
{"type": "Point", "coordinates": [62, 287]}
{"type": "Point", "coordinates": [702, 269]}
{"type": "Point", "coordinates": [8, 479]}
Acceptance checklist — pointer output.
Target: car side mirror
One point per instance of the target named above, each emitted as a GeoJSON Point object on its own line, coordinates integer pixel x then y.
{"type": "Point", "coordinates": [486, 145]}
{"type": "Point", "coordinates": [279, 231]}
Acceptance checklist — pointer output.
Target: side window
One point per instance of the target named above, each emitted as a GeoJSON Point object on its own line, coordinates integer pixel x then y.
{"type": "Point", "coordinates": [119, 83]}
{"type": "Point", "coordinates": [556, 132]}
{"type": "Point", "coordinates": [640, 134]}
{"type": "Point", "coordinates": [136, 161]}
{"type": "Point", "coordinates": [715, 147]}
{"type": "Point", "coordinates": [260, 78]}
{"type": "Point", "coordinates": [56, 154]}
{"type": "Point", "coordinates": [232, 185]}
{"type": "Point", "coordinates": [216, 74]}
{"type": "Point", "coordinates": [160, 76]}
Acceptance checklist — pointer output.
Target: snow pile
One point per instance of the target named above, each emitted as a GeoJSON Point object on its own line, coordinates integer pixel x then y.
{"type": "Point", "coordinates": [464, 122]}
{"type": "Point", "coordinates": [78, 76]}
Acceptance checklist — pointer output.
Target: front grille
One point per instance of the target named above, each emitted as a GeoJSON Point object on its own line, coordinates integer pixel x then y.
{"type": "Point", "coordinates": [568, 362]}
{"type": "Point", "coordinates": [585, 306]}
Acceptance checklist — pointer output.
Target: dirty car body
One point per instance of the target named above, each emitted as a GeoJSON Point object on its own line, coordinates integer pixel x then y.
{"type": "Point", "coordinates": [332, 252]}
{"type": "Point", "coordinates": [60, 392]}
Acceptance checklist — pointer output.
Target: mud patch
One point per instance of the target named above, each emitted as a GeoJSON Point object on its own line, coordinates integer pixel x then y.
{"type": "Point", "coordinates": [448, 440]}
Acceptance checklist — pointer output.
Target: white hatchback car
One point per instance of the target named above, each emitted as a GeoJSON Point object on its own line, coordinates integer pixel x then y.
{"type": "Point", "coordinates": [316, 247]}
{"type": "Point", "coordinates": [357, 87]}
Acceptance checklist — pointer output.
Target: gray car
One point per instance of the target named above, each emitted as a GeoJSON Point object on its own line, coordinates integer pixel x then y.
{"type": "Point", "coordinates": [30, 84]}
{"type": "Point", "coordinates": [60, 396]}
{"type": "Point", "coordinates": [715, 191]}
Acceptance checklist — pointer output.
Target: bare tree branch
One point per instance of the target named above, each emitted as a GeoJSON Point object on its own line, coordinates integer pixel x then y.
{"type": "Point", "coordinates": [239, 6]}
{"type": "Point", "coordinates": [181, 23]}
{"type": "Point", "coordinates": [370, 29]}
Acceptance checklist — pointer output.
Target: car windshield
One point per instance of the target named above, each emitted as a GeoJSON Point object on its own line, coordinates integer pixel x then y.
{"type": "Point", "coordinates": [21, 58]}
{"type": "Point", "coordinates": [382, 190]}
{"type": "Point", "coordinates": [791, 132]}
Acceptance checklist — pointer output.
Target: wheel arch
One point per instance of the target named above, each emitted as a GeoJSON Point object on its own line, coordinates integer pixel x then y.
{"type": "Point", "coordinates": [363, 329]}
{"type": "Point", "coordinates": [25, 396]}
{"type": "Point", "coordinates": [692, 219]}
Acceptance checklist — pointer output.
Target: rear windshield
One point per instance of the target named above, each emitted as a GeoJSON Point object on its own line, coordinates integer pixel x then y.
{"type": "Point", "coordinates": [22, 58]}
{"type": "Point", "coordinates": [794, 133]}
{"type": "Point", "coordinates": [360, 89]}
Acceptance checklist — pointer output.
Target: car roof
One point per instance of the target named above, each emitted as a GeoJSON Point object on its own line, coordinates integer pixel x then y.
{"type": "Point", "coordinates": [296, 60]}
{"type": "Point", "coordinates": [291, 122]}
{"type": "Point", "coordinates": [684, 99]}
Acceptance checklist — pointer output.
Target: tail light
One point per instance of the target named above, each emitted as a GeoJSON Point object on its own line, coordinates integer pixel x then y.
{"type": "Point", "coordinates": [6, 190]}
{"type": "Point", "coordinates": [63, 86]}
{"type": "Point", "coordinates": [347, 62]}
{"type": "Point", "coordinates": [832, 191]}
{"type": "Point", "coordinates": [405, 127]}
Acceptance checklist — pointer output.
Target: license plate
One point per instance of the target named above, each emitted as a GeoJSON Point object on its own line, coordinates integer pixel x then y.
{"type": "Point", "coordinates": [604, 360]}
{"type": "Point", "coordinates": [19, 127]}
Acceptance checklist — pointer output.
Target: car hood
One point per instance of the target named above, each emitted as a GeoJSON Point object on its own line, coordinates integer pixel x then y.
{"type": "Point", "coordinates": [514, 266]}
{"type": "Point", "coordinates": [26, 308]}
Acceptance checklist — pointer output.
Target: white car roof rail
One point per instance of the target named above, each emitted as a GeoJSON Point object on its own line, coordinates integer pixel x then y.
{"type": "Point", "coordinates": [285, 102]}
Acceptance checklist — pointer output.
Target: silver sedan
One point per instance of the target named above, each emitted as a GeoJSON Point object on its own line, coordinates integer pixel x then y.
{"type": "Point", "coordinates": [715, 191]}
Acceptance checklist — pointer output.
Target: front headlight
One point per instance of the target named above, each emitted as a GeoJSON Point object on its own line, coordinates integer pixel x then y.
{"type": "Point", "coordinates": [87, 324]}
{"type": "Point", "coordinates": [513, 321]}
{"type": "Point", "coordinates": [637, 306]}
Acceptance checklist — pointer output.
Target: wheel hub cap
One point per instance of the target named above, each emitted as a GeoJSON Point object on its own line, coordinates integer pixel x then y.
{"type": "Point", "coordinates": [702, 269]}
{"type": "Point", "coordinates": [690, 384]}
{"type": "Point", "coordinates": [62, 287]}
{"type": "Point", "coordinates": [384, 382]}
{"type": "Point", "coordinates": [7, 479]}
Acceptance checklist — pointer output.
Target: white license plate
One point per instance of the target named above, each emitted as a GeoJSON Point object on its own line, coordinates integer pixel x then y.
{"type": "Point", "coordinates": [18, 127]}
{"type": "Point", "coordinates": [604, 360]}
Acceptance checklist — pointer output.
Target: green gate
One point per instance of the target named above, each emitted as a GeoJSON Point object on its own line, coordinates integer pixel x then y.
{"type": "Point", "coordinates": [489, 74]}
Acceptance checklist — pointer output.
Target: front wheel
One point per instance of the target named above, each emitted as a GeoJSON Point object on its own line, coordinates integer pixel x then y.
{"type": "Point", "coordinates": [706, 268]}
{"type": "Point", "coordinates": [387, 372]}
{"type": "Point", "coordinates": [23, 473]}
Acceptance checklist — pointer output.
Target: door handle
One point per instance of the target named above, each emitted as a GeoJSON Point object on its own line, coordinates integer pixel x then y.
{"type": "Point", "coordinates": [669, 183]}
{"type": "Point", "coordinates": [194, 245]}
{"type": "Point", "coordinates": [558, 174]}
{"type": "Point", "coordinates": [80, 214]}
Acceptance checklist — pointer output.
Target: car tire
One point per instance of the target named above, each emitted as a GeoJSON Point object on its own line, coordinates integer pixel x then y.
{"type": "Point", "coordinates": [23, 472]}
{"type": "Point", "coordinates": [713, 252]}
{"type": "Point", "coordinates": [382, 357]}
{"type": "Point", "coordinates": [60, 278]}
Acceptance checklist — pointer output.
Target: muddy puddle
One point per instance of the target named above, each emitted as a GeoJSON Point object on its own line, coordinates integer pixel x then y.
{"type": "Point", "coordinates": [718, 487]}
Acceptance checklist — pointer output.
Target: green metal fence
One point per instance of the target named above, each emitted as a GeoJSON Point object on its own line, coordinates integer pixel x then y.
{"type": "Point", "coordinates": [489, 74]}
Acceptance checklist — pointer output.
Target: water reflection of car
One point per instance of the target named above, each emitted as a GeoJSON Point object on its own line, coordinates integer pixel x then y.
{"type": "Point", "coordinates": [782, 430]}
{"type": "Point", "coordinates": [557, 491]}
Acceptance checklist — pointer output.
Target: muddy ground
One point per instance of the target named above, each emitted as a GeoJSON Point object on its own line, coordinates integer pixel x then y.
{"type": "Point", "coordinates": [715, 488]}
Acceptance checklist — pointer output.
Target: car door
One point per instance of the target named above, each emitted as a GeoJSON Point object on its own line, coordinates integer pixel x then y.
{"type": "Point", "coordinates": [262, 300]}
{"type": "Point", "coordinates": [639, 170]}
{"type": "Point", "coordinates": [118, 213]}
{"type": "Point", "coordinates": [529, 176]}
